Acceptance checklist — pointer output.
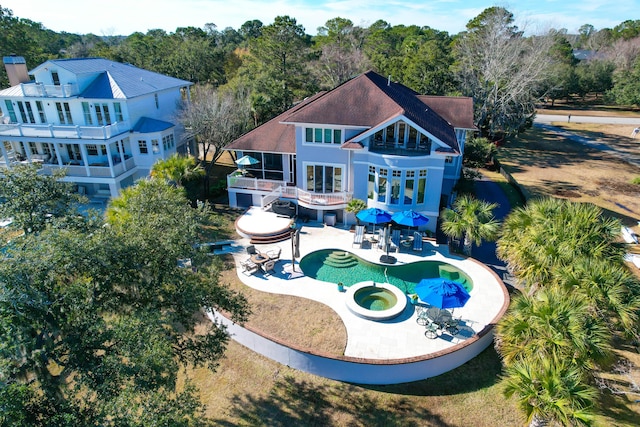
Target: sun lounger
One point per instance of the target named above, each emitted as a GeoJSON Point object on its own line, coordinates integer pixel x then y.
{"type": "Point", "coordinates": [395, 240]}
{"type": "Point", "coordinates": [417, 241]}
{"type": "Point", "coordinates": [358, 236]}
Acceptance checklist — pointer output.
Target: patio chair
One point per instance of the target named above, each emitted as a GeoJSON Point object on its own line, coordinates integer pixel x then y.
{"type": "Point", "coordinates": [268, 267]}
{"type": "Point", "coordinates": [249, 267]}
{"type": "Point", "coordinates": [417, 241]}
{"type": "Point", "coordinates": [395, 240]}
{"type": "Point", "coordinates": [358, 237]}
{"type": "Point", "coordinates": [274, 253]}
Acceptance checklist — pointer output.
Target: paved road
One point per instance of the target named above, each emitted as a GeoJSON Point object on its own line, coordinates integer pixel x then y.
{"type": "Point", "coordinates": [548, 118]}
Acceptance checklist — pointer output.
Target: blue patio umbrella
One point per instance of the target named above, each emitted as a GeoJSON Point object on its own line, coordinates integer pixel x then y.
{"type": "Point", "coordinates": [409, 218]}
{"type": "Point", "coordinates": [442, 293]}
{"type": "Point", "coordinates": [374, 216]}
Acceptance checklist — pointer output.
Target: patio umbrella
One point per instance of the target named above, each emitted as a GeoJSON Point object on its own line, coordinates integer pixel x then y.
{"type": "Point", "coordinates": [374, 216]}
{"type": "Point", "coordinates": [442, 293]}
{"type": "Point", "coordinates": [246, 161]}
{"type": "Point", "coordinates": [409, 218]}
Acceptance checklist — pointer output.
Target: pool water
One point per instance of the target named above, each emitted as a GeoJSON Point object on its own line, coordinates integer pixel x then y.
{"type": "Point", "coordinates": [376, 299]}
{"type": "Point", "coordinates": [334, 265]}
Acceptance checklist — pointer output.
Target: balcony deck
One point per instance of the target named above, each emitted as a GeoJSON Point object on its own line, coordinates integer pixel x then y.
{"type": "Point", "coordinates": [64, 131]}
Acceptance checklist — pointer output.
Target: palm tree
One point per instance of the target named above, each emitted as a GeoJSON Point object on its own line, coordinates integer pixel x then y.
{"type": "Point", "coordinates": [472, 219]}
{"type": "Point", "coordinates": [611, 289]}
{"type": "Point", "coordinates": [554, 324]}
{"type": "Point", "coordinates": [549, 391]}
{"type": "Point", "coordinates": [550, 233]}
{"type": "Point", "coordinates": [354, 206]}
{"type": "Point", "coordinates": [177, 169]}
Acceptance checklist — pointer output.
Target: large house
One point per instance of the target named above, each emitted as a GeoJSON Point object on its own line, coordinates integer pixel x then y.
{"type": "Point", "coordinates": [369, 138]}
{"type": "Point", "coordinates": [103, 122]}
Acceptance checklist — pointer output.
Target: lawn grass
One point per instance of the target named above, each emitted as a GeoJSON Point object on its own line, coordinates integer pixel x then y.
{"type": "Point", "coordinates": [249, 389]}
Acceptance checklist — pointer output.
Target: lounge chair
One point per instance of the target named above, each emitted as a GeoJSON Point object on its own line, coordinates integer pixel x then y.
{"type": "Point", "coordinates": [358, 237]}
{"type": "Point", "coordinates": [417, 241]}
{"type": "Point", "coordinates": [382, 238]}
{"type": "Point", "coordinates": [395, 240]}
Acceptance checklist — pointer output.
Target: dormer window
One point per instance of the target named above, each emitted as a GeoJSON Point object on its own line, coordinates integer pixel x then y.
{"type": "Point", "coordinates": [55, 78]}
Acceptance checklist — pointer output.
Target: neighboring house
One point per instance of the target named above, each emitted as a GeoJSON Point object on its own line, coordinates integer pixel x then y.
{"type": "Point", "coordinates": [369, 138]}
{"type": "Point", "coordinates": [104, 122]}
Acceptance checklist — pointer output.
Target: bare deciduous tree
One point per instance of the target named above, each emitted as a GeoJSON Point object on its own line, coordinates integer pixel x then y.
{"type": "Point", "coordinates": [502, 70]}
{"type": "Point", "coordinates": [213, 119]}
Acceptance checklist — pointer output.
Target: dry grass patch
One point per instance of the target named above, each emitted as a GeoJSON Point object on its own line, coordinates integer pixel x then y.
{"type": "Point", "coordinates": [301, 322]}
{"type": "Point", "coordinates": [546, 164]}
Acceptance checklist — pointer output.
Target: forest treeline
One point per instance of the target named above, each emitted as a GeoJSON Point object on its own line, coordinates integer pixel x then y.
{"type": "Point", "coordinates": [506, 71]}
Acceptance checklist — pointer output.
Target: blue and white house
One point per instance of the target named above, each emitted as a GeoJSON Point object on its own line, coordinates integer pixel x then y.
{"type": "Point", "coordinates": [369, 138]}
{"type": "Point", "coordinates": [104, 122]}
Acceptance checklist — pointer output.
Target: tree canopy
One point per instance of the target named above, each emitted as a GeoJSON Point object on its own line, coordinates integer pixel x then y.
{"type": "Point", "coordinates": [96, 322]}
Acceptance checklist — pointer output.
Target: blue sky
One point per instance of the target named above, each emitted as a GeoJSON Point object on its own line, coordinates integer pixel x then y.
{"type": "Point", "coordinates": [123, 17]}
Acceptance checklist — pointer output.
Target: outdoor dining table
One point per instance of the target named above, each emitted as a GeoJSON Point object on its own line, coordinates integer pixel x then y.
{"type": "Point", "coordinates": [259, 258]}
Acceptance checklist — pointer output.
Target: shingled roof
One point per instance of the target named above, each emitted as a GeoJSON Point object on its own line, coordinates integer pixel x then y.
{"type": "Point", "coordinates": [272, 136]}
{"type": "Point", "coordinates": [368, 100]}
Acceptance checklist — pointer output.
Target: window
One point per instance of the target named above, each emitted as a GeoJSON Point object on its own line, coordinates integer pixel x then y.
{"type": "Point", "coordinates": [448, 159]}
{"type": "Point", "coordinates": [324, 136]}
{"type": "Point", "coordinates": [32, 119]}
{"type": "Point", "coordinates": [118, 110]}
{"type": "Point", "coordinates": [324, 179]}
{"type": "Point", "coordinates": [23, 113]}
{"type": "Point", "coordinates": [11, 111]}
{"type": "Point", "coordinates": [395, 186]}
{"type": "Point", "coordinates": [382, 185]}
{"type": "Point", "coordinates": [64, 113]}
{"type": "Point", "coordinates": [422, 184]}
{"type": "Point", "coordinates": [33, 148]}
{"type": "Point", "coordinates": [43, 117]}
{"type": "Point", "coordinates": [408, 187]}
{"type": "Point", "coordinates": [46, 149]}
{"type": "Point", "coordinates": [401, 132]}
{"type": "Point", "coordinates": [102, 112]}
{"type": "Point", "coordinates": [88, 120]}
{"type": "Point", "coordinates": [390, 135]}
{"type": "Point", "coordinates": [371, 186]}
{"type": "Point", "coordinates": [92, 149]}
{"type": "Point", "coordinates": [155, 146]}
{"type": "Point", "coordinates": [55, 77]}
{"type": "Point", "coordinates": [142, 146]}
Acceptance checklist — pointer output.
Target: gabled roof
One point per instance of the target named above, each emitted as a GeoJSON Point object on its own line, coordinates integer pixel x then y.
{"type": "Point", "coordinates": [366, 101]}
{"type": "Point", "coordinates": [114, 79]}
{"type": "Point", "coordinates": [272, 136]}
{"type": "Point", "coordinates": [370, 100]}
{"type": "Point", "coordinates": [149, 125]}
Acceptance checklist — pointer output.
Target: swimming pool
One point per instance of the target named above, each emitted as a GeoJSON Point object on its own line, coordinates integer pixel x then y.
{"type": "Point", "coordinates": [336, 265]}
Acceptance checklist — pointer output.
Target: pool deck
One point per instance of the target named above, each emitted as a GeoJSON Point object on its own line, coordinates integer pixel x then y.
{"type": "Point", "coordinates": [398, 338]}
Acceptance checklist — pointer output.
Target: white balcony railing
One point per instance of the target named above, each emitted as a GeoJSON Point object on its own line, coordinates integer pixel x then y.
{"type": "Point", "coordinates": [41, 90]}
{"type": "Point", "coordinates": [64, 131]}
{"type": "Point", "coordinates": [281, 187]}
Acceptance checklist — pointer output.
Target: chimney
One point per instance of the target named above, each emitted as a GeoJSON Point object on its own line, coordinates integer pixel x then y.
{"type": "Point", "coordinates": [16, 68]}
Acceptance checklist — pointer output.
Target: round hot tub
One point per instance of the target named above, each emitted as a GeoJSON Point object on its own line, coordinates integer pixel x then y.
{"type": "Point", "coordinates": [375, 301]}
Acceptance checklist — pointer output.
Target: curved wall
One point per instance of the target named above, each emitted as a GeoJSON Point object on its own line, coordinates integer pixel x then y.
{"type": "Point", "coordinates": [360, 371]}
